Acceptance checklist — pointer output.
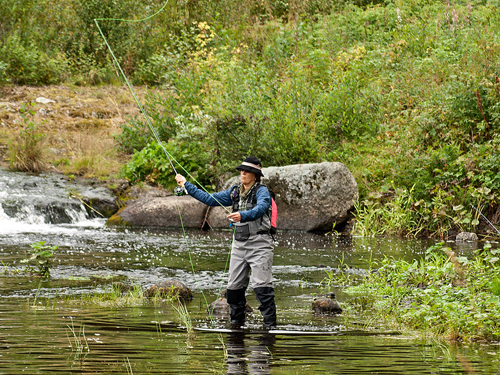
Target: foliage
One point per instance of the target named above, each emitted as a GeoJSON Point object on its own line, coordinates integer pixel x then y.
{"type": "Point", "coordinates": [152, 164]}
{"type": "Point", "coordinates": [26, 149]}
{"type": "Point", "coordinates": [439, 295]}
{"type": "Point", "coordinates": [28, 65]}
{"type": "Point", "coordinates": [406, 94]}
{"type": "Point", "coordinates": [39, 261]}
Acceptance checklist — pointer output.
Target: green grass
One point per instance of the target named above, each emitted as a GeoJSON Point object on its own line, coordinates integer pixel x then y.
{"type": "Point", "coordinates": [439, 296]}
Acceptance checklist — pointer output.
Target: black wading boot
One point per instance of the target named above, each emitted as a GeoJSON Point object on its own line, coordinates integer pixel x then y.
{"type": "Point", "coordinates": [237, 305]}
{"type": "Point", "coordinates": [265, 296]}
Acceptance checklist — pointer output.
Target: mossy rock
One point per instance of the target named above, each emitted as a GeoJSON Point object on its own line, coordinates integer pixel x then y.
{"type": "Point", "coordinates": [117, 221]}
{"type": "Point", "coordinates": [220, 308]}
{"type": "Point", "coordinates": [326, 304]}
{"type": "Point", "coordinates": [170, 288]}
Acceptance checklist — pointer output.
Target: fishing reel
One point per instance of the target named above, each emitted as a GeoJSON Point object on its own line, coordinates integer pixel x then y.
{"type": "Point", "coordinates": [179, 191]}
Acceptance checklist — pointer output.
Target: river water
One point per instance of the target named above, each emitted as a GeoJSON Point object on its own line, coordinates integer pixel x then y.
{"type": "Point", "coordinates": [46, 328]}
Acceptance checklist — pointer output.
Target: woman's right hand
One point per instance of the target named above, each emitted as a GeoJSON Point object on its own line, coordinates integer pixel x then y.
{"type": "Point", "coordinates": [181, 180]}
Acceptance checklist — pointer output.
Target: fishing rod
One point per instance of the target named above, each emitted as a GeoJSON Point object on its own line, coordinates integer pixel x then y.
{"type": "Point", "coordinates": [179, 190]}
{"type": "Point", "coordinates": [484, 217]}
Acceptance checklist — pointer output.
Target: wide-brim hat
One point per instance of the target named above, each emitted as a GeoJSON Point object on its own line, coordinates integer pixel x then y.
{"type": "Point", "coordinates": [251, 164]}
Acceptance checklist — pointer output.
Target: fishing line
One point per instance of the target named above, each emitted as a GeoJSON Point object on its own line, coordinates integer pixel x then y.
{"type": "Point", "coordinates": [142, 109]}
{"type": "Point", "coordinates": [157, 138]}
{"type": "Point", "coordinates": [484, 217]}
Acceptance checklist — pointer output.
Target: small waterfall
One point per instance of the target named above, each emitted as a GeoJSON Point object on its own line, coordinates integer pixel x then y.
{"type": "Point", "coordinates": [27, 199]}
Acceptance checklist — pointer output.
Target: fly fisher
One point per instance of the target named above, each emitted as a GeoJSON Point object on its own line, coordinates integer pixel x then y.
{"type": "Point", "coordinates": [252, 248]}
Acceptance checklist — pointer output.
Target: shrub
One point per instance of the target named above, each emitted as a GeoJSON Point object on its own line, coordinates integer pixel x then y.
{"type": "Point", "coordinates": [26, 150]}
{"type": "Point", "coordinates": [151, 164]}
{"type": "Point", "coordinates": [26, 64]}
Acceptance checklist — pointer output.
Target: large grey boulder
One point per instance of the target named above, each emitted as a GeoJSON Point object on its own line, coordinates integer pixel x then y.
{"type": "Point", "coordinates": [162, 212]}
{"type": "Point", "coordinates": [310, 197]}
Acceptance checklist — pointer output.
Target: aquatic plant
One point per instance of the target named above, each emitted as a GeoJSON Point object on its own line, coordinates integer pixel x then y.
{"type": "Point", "coordinates": [77, 341]}
{"type": "Point", "coordinates": [38, 262]}
{"type": "Point", "coordinates": [183, 314]}
{"type": "Point", "coordinates": [120, 295]}
{"type": "Point", "coordinates": [128, 366]}
{"type": "Point", "coordinates": [440, 295]}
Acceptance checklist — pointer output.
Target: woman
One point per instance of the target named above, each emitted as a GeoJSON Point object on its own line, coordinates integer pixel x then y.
{"type": "Point", "coordinates": [252, 245]}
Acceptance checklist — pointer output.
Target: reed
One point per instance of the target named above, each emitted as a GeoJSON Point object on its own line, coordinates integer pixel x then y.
{"type": "Point", "coordinates": [77, 340]}
{"type": "Point", "coordinates": [182, 313]}
{"type": "Point", "coordinates": [128, 366]}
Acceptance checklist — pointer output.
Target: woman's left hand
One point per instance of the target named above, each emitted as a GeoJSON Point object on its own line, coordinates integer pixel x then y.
{"type": "Point", "coordinates": [235, 217]}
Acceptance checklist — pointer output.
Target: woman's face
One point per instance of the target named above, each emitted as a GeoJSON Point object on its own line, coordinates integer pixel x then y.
{"type": "Point", "coordinates": [247, 178]}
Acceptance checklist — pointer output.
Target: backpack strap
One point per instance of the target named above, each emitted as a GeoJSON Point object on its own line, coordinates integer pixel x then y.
{"type": "Point", "coordinates": [235, 197]}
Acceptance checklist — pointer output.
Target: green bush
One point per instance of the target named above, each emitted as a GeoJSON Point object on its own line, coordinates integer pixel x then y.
{"type": "Point", "coordinates": [26, 64]}
{"type": "Point", "coordinates": [152, 165]}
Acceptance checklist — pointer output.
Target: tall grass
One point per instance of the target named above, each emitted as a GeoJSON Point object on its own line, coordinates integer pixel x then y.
{"type": "Point", "coordinates": [77, 340]}
{"type": "Point", "coordinates": [182, 313]}
{"type": "Point", "coordinates": [26, 151]}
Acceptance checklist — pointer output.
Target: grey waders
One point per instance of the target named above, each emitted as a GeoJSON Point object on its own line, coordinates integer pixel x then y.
{"type": "Point", "coordinates": [254, 254]}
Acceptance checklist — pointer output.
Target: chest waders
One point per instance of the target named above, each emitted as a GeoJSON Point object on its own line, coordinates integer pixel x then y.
{"type": "Point", "coordinates": [252, 251]}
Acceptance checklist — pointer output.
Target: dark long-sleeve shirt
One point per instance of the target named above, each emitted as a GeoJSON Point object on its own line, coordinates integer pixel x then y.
{"type": "Point", "coordinates": [223, 198]}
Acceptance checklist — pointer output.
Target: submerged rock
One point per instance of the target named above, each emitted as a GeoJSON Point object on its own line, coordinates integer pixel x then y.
{"type": "Point", "coordinates": [220, 308]}
{"type": "Point", "coordinates": [466, 237]}
{"type": "Point", "coordinates": [326, 304]}
{"type": "Point", "coordinates": [170, 288]}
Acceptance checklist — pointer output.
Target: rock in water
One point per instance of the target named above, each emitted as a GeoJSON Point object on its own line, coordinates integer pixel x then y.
{"type": "Point", "coordinates": [466, 237]}
{"type": "Point", "coordinates": [326, 304]}
{"type": "Point", "coordinates": [220, 308]}
{"type": "Point", "coordinates": [310, 197]}
{"type": "Point", "coordinates": [161, 212]}
{"type": "Point", "coordinates": [170, 288]}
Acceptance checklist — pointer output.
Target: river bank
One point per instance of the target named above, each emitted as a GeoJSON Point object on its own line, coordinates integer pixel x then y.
{"type": "Point", "coordinates": [78, 124]}
{"type": "Point", "coordinates": [78, 130]}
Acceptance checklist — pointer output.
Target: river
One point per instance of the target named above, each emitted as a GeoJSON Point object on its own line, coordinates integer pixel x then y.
{"type": "Point", "coordinates": [46, 328]}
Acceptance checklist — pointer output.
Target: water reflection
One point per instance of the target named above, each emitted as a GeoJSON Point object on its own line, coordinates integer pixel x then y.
{"type": "Point", "coordinates": [249, 355]}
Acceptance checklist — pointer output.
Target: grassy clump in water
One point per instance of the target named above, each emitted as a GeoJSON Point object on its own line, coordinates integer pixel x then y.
{"type": "Point", "coordinates": [441, 295]}
{"type": "Point", "coordinates": [116, 297]}
{"type": "Point", "coordinates": [124, 295]}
